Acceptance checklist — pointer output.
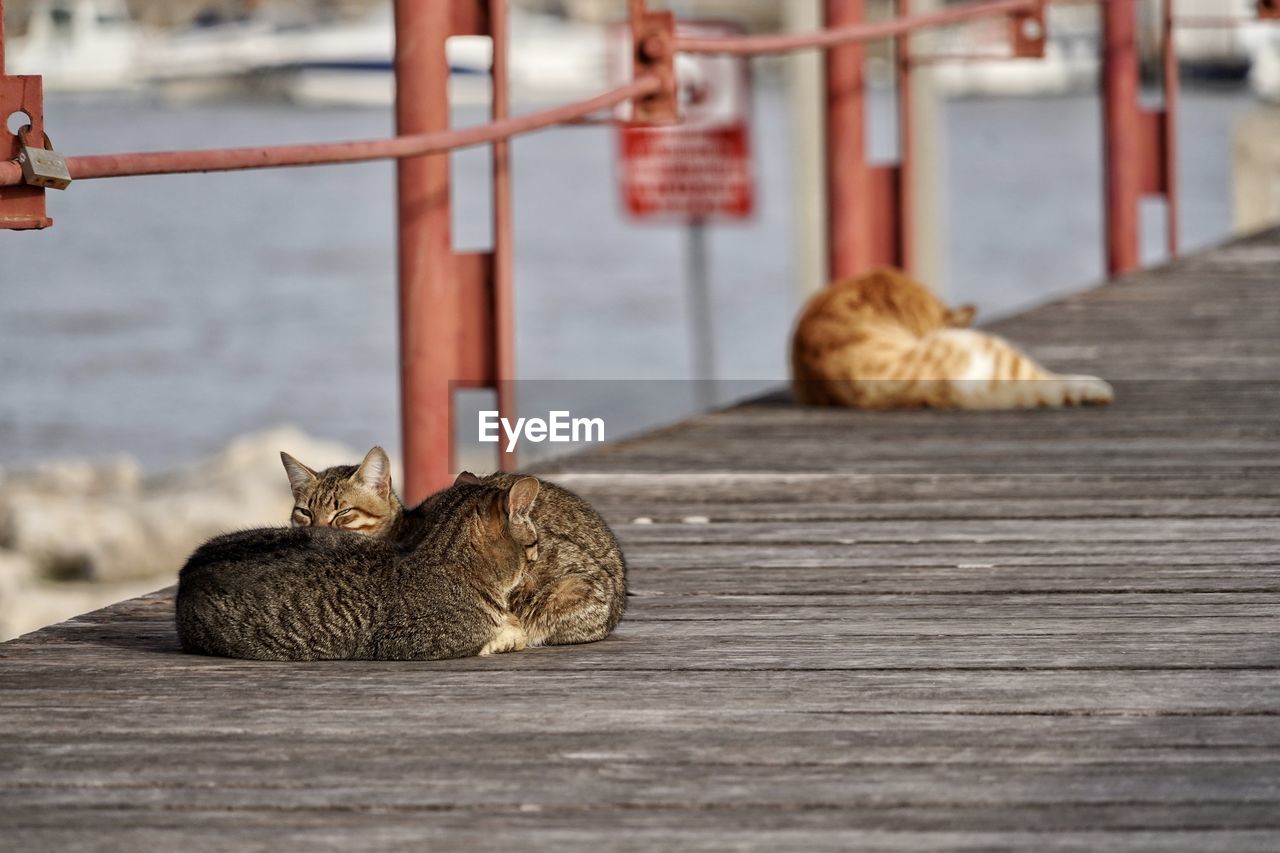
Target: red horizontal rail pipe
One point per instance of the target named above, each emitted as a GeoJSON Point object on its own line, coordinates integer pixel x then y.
{"type": "Point", "coordinates": [755, 45]}
{"type": "Point", "coordinates": [324, 153]}
{"type": "Point", "coordinates": [948, 58]}
{"type": "Point", "coordinates": [1211, 22]}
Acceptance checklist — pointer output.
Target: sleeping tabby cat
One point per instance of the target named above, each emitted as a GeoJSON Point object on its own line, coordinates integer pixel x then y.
{"type": "Point", "coordinates": [882, 340]}
{"type": "Point", "coordinates": [314, 593]}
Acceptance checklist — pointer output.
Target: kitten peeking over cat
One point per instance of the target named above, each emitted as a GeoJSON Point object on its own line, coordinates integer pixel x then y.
{"type": "Point", "coordinates": [882, 341]}
{"type": "Point", "coordinates": [575, 586]}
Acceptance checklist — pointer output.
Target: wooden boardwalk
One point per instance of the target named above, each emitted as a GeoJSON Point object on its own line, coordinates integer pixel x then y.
{"type": "Point", "coordinates": [899, 631]}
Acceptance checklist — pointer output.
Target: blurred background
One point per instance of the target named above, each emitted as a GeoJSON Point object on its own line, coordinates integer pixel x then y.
{"type": "Point", "coordinates": [177, 332]}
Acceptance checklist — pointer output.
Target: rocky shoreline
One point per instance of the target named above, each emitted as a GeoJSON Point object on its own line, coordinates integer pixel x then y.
{"type": "Point", "coordinates": [76, 536]}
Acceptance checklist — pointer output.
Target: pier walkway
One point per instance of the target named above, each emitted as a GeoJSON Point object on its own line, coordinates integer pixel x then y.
{"type": "Point", "coordinates": [1031, 630]}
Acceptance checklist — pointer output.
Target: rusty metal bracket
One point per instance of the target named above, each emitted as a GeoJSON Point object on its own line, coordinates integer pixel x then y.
{"type": "Point", "coordinates": [653, 37]}
{"type": "Point", "coordinates": [1269, 9]}
{"type": "Point", "coordinates": [21, 207]}
{"type": "Point", "coordinates": [1027, 32]}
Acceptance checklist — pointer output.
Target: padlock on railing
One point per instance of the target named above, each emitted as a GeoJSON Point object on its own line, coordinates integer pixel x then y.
{"type": "Point", "coordinates": [42, 167]}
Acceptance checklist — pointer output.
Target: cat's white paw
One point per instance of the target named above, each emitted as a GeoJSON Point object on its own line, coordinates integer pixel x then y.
{"type": "Point", "coordinates": [509, 637]}
{"type": "Point", "coordinates": [1087, 391]}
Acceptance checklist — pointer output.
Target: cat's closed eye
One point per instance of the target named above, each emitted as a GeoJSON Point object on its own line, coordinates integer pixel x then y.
{"type": "Point", "coordinates": [301, 517]}
{"type": "Point", "coordinates": [348, 517]}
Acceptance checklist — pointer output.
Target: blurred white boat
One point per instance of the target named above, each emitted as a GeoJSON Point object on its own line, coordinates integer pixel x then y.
{"type": "Point", "coordinates": [212, 57]}
{"type": "Point", "coordinates": [78, 45]}
{"type": "Point", "coordinates": [1213, 47]}
{"type": "Point", "coordinates": [1071, 64]}
{"type": "Point", "coordinates": [350, 62]}
{"type": "Point", "coordinates": [1262, 41]}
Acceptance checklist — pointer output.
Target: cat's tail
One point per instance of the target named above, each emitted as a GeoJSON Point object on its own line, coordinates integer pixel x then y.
{"type": "Point", "coordinates": [987, 372]}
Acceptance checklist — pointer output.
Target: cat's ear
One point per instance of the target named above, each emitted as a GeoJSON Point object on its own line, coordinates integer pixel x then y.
{"type": "Point", "coordinates": [961, 317]}
{"type": "Point", "coordinates": [466, 478]}
{"type": "Point", "coordinates": [519, 503]}
{"type": "Point", "coordinates": [300, 476]}
{"type": "Point", "coordinates": [374, 472]}
{"type": "Point", "coordinates": [521, 496]}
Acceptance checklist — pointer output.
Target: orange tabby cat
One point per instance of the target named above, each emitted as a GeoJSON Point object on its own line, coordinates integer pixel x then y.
{"type": "Point", "coordinates": [883, 341]}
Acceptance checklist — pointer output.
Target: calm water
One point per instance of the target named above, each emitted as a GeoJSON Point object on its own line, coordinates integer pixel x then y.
{"type": "Point", "coordinates": [162, 316]}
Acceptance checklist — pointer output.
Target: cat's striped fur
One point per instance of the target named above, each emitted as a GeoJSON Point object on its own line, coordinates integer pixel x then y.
{"type": "Point", "coordinates": [311, 593]}
{"type": "Point", "coordinates": [883, 340]}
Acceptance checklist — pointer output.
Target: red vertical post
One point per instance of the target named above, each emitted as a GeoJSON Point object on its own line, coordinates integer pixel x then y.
{"type": "Point", "coordinates": [429, 309]}
{"type": "Point", "coordinates": [1139, 145]}
{"type": "Point", "coordinates": [847, 173]}
{"type": "Point", "coordinates": [905, 174]}
{"type": "Point", "coordinates": [1169, 124]}
{"type": "Point", "coordinates": [504, 359]}
{"type": "Point", "coordinates": [866, 204]}
{"type": "Point", "coordinates": [1122, 135]}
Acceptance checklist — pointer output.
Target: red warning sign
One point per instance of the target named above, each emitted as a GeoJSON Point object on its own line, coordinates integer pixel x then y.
{"type": "Point", "coordinates": [672, 172]}
{"type": "Point", "coordinates": [700, 168]}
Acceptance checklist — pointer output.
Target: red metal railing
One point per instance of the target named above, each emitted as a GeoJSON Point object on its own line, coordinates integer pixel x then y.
{"type": "Point", "coordinates": [89, 166]}
{"type": "Point", "coordinates": [837, 35]}
{"type": "Point", "coordinates": [456, 310]}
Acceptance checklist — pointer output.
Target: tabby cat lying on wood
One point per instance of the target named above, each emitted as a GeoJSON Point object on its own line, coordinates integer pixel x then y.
{"type": "Point", "coordinates": [883, 341]}
{"type": "Point", "coordinates": [574, 587]}
{"type": "Point", "coordinates": [487, 565]}
{"type": "Point", "coordinates": [312, 593]}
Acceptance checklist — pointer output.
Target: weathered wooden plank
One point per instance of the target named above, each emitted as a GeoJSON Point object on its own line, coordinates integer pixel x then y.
{"type": "Point", "coordinates": [1055, 531]}
{"type": "Point", "coordinates": [792, 581]}
{"type": "Point", "coordinates": [1229, 558]}
{"type": "Point", "coordinates": [746, 485]}
{"type": "Point", "coordinates": [960, 613]}
{"type": "Point", "coordinates": [402, 779]}
{"type": "Point", "coordinates": [97, 681]}
{"type": "Point", "coordinates": [749, 827]}
{"type": "Point", "coordinates": [727, 452]}
{"type": "Point", "coordinates": [620, 512]}
{"type": "Point", "coordinates": [625, 496]}
{"type": "Point", "coordinates": [761, 739]}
